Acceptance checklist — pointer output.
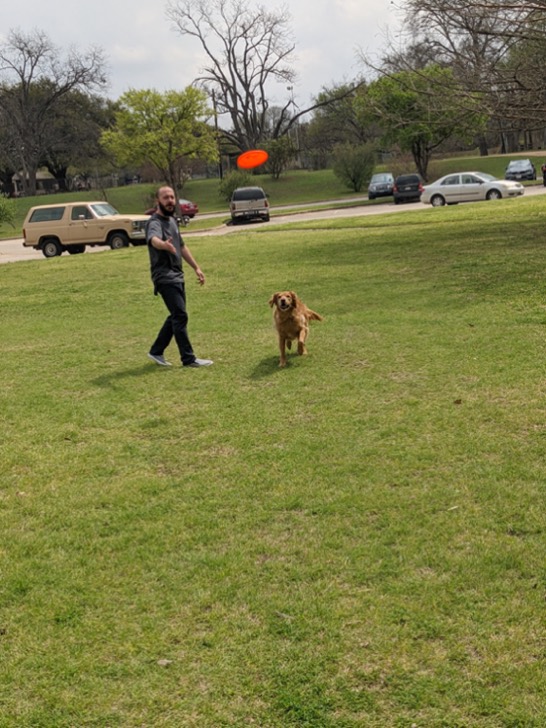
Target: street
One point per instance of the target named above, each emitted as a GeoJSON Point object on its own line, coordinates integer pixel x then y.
{"type": "Point", "coordinates": [12, 250]}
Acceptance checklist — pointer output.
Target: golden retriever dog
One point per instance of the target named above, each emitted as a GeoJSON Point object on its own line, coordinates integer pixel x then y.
{"type": "Point", "coordinates": [291, 317]}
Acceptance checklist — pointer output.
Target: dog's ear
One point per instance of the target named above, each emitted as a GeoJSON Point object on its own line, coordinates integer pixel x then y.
{"type": "Point", "coordinates": [273, 299]}
{"type": "Point", "coordinates": [295, 299]}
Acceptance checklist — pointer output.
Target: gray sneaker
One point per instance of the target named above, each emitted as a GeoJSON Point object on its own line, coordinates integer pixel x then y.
{"type": "Point", "coordinates": [160, 360]}
{"type": "Point", "coordinates": [200, 363]}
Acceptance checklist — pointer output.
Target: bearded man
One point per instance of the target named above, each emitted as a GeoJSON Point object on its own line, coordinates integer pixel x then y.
{"type": "Point", "coordinates": [167, 249]}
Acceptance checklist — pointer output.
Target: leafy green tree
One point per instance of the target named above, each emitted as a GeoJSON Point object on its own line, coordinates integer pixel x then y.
{"type": "Point", "coordinates": [354, 164]}
{"type": "Point", "coordinates": [162, 129]}
{"type": "Point", "coordinates": [336, 121]}
{"type": "Point", "coordinates": [73, 135]}
{"type": "Point", "coordinates": [34, 79]}
{"type": "Point", "coordinates": [419, 110]}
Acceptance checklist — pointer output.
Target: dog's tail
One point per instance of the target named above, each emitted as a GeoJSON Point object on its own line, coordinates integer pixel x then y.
{"type": "Point", "coordinates": [313, 315]}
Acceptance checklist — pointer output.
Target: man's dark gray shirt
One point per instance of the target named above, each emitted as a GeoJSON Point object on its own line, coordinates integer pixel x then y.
{"type": "Point", "coordinates": [165, 267]}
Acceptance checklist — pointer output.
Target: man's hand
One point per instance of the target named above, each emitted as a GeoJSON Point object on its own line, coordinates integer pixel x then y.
{"type": "Point", "coordinates": [169, 246]}
{"type": "Point", "coordinates": [160, 244]}
{"type": "Point", "coordinates": [200, 276]}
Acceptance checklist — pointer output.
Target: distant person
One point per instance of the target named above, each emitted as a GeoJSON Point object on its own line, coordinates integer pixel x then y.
{"type": "Point", "coordinates": [543, 168]}
{"type": "Point", "coordinates": [167, 249]}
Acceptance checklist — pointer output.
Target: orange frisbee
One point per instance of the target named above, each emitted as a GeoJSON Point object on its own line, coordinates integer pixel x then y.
{"type": "Point", "coordinates": [252, 158]}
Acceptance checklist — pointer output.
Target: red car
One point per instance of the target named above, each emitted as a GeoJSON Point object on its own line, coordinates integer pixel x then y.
{"type": "Point", "coordinates": [188, 208]}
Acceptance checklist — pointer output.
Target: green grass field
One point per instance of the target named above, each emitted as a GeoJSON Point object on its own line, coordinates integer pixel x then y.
{"type": "Point", "coordinates": [354, 541]}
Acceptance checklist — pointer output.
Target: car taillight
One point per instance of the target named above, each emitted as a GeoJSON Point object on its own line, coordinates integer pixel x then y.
{"type": "Point", "coordinates": [394, 188]}
{"type": "Point", "coordinates": [420, 187]}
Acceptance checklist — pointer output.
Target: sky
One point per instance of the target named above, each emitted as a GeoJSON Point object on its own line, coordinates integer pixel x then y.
{"type": "Point", "coordinates": [143, 50]}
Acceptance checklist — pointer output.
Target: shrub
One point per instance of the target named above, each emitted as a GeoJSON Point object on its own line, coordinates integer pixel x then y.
{"type": "Point", "coordinates": [354, 164]}
{"type": "Point", "coordinates": [281, 151]}
{"type": "Point", "coordinates": [7, 211]}
{"type": "Point", "coordinates": [232, 181]}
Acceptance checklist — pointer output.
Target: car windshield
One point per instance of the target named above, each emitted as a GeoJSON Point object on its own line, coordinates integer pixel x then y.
{"type": "Point", "coordinates": [102, 209]}
{"type": "Point", "coordinates": [248, 193]}
{"type": "Point", "coordinates": [485, 176]}
{"type": "Point", "coordinates": [519, 164]}
{"type": "Point", "coordinates": [382, 178]}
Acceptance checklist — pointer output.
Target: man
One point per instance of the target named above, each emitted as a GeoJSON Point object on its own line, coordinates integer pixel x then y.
{"type": "Point", "coordinates": [166, 249]}
{"type": "Point", "coordinates": [543, 170]}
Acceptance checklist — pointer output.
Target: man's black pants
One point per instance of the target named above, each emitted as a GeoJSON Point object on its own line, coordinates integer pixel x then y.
{"type": "Point", "coordinates": [174, 297]}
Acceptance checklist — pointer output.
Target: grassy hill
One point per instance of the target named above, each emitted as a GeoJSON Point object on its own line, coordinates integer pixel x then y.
{"type": "Point", "coordinates": [296, 187]}
{"type": "Point", "coordinates": [355, 540]}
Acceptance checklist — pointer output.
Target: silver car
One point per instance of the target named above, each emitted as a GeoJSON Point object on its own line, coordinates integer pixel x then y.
{"type": "Point", "coordinates": [469, 187]}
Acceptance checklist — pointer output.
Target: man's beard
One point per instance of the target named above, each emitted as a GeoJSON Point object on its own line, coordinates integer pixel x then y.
{"type": "Point", "coordinates": [166, 212]}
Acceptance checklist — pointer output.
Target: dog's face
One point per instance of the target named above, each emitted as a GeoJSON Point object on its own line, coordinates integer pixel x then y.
{"type": "Point", "coordinates": [284, 300]}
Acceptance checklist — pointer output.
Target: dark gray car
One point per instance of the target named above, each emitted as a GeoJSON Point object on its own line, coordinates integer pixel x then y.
{"type": "Point", "coordinates": [520, 169]}
{"type": "Point", "coordinates": [407, 188]}
{"type": "Point", "coordinates": [381, 185]}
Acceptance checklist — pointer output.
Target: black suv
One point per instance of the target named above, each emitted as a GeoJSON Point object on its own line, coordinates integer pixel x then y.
{"type": "Point", "coordinates": [520, 169]}
{"type": "Point", "coordinates": [407, 188]}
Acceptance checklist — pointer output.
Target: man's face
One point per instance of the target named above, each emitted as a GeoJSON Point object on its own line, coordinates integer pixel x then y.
{"type": "Point", "coordinates": [166, 201]}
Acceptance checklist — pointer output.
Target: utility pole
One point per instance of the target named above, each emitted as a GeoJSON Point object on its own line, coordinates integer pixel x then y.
{"type": "Point", "coordinates": [220, 168]}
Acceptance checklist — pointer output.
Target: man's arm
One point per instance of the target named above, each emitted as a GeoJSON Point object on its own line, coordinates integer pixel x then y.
{"type": "Point", "coordinates": [154, 237]}
{"type": "Point", "coordinates": [160, 244]}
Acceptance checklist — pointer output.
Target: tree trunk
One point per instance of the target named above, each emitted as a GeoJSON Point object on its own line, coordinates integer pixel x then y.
{"type": "Point", "coordinates": [482, 145]}
{"type": "Point", "coordinates": [421, 157]}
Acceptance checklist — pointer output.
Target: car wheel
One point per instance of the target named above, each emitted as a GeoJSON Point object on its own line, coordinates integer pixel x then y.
{"type": "Point", "coordinates": [75, 249]}
{"type": "Point", "coordinates": [51, 248]}
{"type": "Point", "coordinates": [437, 201]}
{"type": "Point", "coordinates": [118, 241]}
{"type": "Point", "coordinates": [493, 195]}
{"type": "Point", "coordinates": [371, 197]}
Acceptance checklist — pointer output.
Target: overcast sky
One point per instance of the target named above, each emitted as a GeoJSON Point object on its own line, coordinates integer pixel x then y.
{"type": "Point", "coordinates": [143, 50]}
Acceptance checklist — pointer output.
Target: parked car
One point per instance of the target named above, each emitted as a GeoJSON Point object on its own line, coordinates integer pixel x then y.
{"type": "Point", "coordinates": [469, 187]}
{"type": "Point", "coordinates": [188, 208]}
{"type": "Point", "coordinates": [520, 169]}
{"type": "Point", "coordinates": [407, 188]}
{"type": "Point", "coordinates": [249, 203]}
{"type": "Point", "coordinates": [71, 226]}
{"type": "Point", "coordinates": [381, 185]}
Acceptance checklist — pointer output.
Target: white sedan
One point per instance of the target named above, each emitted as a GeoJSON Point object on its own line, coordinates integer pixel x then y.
{"type": "Point", "coordinates": [469, 187]}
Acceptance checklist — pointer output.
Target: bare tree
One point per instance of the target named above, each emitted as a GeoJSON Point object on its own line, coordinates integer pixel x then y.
{"type": "Point", "coordinates": [247, 50]}
{"type": "Point", "coordinates": [493, 47]}
{"type": "Point", "coordinates": [34, 78]}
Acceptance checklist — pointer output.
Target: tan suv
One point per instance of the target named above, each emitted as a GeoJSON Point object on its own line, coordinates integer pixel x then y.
{"type": "Point", "coordinates": [248, 203]}
{"type": "Point", "coordinates": [73, 225]}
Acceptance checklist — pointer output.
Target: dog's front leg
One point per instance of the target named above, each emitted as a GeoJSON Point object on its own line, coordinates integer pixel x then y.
{"type": "Point", "coordinates": [301, 342]}
{"type": "Point", "coordinates": [282, 347]}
